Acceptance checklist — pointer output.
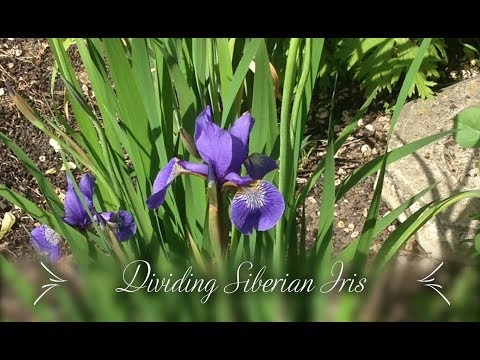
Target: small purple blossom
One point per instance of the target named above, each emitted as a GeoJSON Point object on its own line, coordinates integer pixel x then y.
{"type": "Point", "coordinates": [256, 203]}
{"type": "Point", "coordinates": [75, 214]}
{"type": "Point", "coordinates": [47, 242]}
{"type": "Point", "coordinates": [121, 222]}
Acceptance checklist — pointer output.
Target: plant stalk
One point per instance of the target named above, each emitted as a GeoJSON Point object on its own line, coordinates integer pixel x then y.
{"type": "Point", "coordinates": [286, 147]}
{"type": "Point", "coordinates": [215, 223]}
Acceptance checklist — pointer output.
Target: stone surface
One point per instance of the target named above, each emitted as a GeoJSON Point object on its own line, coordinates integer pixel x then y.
{"type": "Point", "coordinates": [443, 160]}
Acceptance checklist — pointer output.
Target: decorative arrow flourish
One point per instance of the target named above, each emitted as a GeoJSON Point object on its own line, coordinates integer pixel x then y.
{"type": "Point", "coordinates": [428, 280]}
{"type": "Point", "coordinates": [56, 280]}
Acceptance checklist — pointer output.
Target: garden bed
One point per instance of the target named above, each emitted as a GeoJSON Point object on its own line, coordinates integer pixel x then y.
{"type": "Point", "coordinates": [27, 65]}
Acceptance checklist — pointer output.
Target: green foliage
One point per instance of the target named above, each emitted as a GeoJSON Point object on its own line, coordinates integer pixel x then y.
{"type": "Point", "coordinates": [380, 63]}
{"type": "Point", "coordinates": [147, 90]}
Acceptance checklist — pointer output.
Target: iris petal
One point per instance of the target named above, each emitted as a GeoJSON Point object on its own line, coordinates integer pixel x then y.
{"type": "Point", "coordinates": [161, 183]}
{"type": "Point", "coordinates": [214, 144]}
{"type": "Point", "coordinates": [238, 180]}
{"type": "Point", "coordinates": [258, 205]}
{"type": "Point", "coordinates": [47, 241]}
{"type": "Point", "coordinates": [240, 132]}
{"type": "Point", "coordinates": [259, 165]}
{"type": "Point", "coordinates": [75, 214]}
{"type": "Point", "coordinates": [87, 186]}
{"type": "Point", "coordinates": [199, 169]}
{"type": "Point", "coordinates": [166, 176]}
{"type": "Point", "coordinates": [121, 222]}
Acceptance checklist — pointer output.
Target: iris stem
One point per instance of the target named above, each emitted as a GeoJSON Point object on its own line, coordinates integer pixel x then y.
{"type": "Point", "coordinates": [215, 223]}
{"type": "Point", "coordinates": [117, 249]}
{"type": "Point", "coordinates": [286, 148]}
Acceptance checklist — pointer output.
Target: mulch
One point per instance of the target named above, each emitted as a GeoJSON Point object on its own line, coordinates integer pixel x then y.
{"type": "Point", "coordinates": [26, 64]}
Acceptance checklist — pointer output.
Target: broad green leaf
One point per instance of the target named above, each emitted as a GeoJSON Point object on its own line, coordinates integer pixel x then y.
{"type": "Point", "coordinates": [249, 52]}
{"type": "Point", "coordinates": [265, 129]}
{"type": "Point", "coordinates": [477, 243]}
{"type": "Point", "coordinates": [468, 124]}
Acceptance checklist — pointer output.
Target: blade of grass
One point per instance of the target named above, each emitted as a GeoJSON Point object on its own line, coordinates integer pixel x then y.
{"type": "Point", "coordinates": [229, 112]}
{"type": "Point", "coordinates": [87, 129]}
{"type": "Point", "coordinates": [285, 148]}
{"type": "Point", "coordinates": [224, 64]}
{"type": "Point", "coordinates": [414, 222]}
{"type": "Point", "coordinates": [132, 113]}
{"type": "Point", "coordinates": [325, 226]}
{"type": "Point", "coordinates": [374, 165]}
{"type": "Point", "coordinates": [338, 144]}
{"type": "Point", "coordinates": [262, 139]}
{"type": "Point", "coordinates": [199, 56]}
{"type": "Point", "coordinates": [348, 253]}
{"type": "Point", "coordinates": [367, 232]}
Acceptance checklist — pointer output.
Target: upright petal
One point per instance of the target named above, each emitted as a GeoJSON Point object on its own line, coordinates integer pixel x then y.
{"type": "Point", "coordinates": [259, 165]}
{"type": "Point", "coordinates": [240, 132]}
{"type": "Point", "coordinates": [214, 144]}
{"type": "Point", "coordinates": [75, 214]}
{"type": "Point", "coordinates": [166, 176]}
{"type": "Point", "coordinates": [47, 242]}
{"type": "Point", "coordinates": [121, 222]}
{"type": "Point", "coordinates": [258, 205]}
{"type": "Point", "coordinates": [87, 186]}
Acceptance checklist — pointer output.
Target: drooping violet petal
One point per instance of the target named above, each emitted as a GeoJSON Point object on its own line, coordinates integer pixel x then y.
{"type": "Point", "coordinates": [240, 132]}
{"type": "Point", "coordinates": [258, 205]}
{"type": "Point", "coordinates": [121, 222]}
{"type": "Point", "coordinates": [166, 176]}
{"type": "Point", "coordinates": [259, 165]}
{"type": "Point", "coordinates": [213, 143]}
{"type": "Point", "coordinates": [200, 169]}
{"type": "Point", "coordinates": [162, 181]}
{"type": "Point", "coordinates": [75, 214]}
{"type": "Point", "coordinates": [238, 180]}
{"type": "Point", "coordinates": [47, 242]}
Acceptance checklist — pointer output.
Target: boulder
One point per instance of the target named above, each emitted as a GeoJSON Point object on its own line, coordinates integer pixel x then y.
{"type": "Point", "coordinates": [443, 160]}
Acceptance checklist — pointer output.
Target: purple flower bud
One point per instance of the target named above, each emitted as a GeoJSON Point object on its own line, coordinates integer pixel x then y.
{"type": "Point", "coordinates": [47, 242]}
{"type": "Point", "coordinates": [75, 213]}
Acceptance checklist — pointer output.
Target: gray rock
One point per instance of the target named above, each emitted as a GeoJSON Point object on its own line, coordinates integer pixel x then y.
{"type": "Point", "coordinates": [443, 160]}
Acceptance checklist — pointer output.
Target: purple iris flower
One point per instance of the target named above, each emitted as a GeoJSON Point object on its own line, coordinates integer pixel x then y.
{"type": "Point", "coordinates": [121, 222]}
{"type": "Point", "coordinates": [75, 213]}
{"type": "Point", "coordinates": [257, 203]}
{"type": "Point", "coordinates": [47, 242]}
